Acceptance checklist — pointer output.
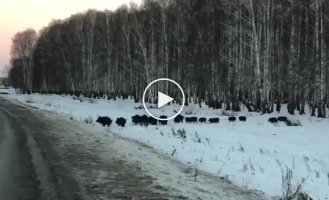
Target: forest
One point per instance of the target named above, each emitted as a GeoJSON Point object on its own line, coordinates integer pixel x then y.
{"type": "Point", "coordinates": [227, 53]}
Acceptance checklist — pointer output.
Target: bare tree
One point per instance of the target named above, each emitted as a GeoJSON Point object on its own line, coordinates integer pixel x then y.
{"type": "Point", "coordinates": [229, 52]}
{"type": "Point", "coordinates": [22, 50]}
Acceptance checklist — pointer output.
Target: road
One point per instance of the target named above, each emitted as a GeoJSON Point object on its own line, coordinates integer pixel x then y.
{"type": "Point", "coordinates": [44, 155]}
{"type": "Point", "coordinates": [24, 173]}
{"type": "Point", "coordinates": [18, 179]}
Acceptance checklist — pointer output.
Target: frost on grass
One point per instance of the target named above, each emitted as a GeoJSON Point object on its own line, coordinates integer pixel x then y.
{"type": "Point", "coordinates": [291, 191]}
{"type": "Point", "coordinates": [179, 133]}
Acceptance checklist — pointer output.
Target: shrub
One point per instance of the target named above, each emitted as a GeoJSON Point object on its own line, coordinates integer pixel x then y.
{"type": "Point", "coordinates": [181, 133]}
{"type": "Point", "coordinates": [288, 191]}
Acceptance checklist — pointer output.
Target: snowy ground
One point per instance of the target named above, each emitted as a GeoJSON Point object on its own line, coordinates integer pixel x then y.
{"type": "Point", "coordinates": [254, 154]}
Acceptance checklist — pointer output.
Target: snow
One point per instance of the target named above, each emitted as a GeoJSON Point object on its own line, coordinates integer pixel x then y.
{"type": "Point", "coordinates": [168, 177]}
{"type": "Point", "coordinates": [254, 154]}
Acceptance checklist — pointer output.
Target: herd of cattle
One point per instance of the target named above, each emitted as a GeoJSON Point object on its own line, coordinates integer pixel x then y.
{"type": "Point", "coordinates": [145, 120]}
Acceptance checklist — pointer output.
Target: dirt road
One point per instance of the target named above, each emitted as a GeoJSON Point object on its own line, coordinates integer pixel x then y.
{"type": "Point", "coordinates": [18, 179]}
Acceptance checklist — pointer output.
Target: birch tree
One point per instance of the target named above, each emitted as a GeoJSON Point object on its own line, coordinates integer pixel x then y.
{"type": "Point", "coordinates": [22, 50]}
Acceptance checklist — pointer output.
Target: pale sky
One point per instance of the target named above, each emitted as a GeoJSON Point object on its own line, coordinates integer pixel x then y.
{"type": "Point", "coordinates": [17, 15]}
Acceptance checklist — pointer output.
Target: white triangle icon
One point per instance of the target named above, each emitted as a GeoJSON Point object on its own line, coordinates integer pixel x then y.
{"type": "Point", "coordinates": [163, 99]}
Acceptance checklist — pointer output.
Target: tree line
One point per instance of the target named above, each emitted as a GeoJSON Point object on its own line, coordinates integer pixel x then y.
{"type": "Point", "coordinates": [224, 52]}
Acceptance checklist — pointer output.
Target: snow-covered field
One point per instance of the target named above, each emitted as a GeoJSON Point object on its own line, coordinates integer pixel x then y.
{"type": "Point", "coordinates": [254, 154]}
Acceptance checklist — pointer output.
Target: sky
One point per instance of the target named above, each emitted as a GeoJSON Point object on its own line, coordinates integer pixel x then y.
{"type": "Point", "coordinates": [18, 15]}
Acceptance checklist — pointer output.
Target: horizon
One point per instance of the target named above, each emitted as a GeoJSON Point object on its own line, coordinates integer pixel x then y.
{"type": "Point", "coordinates": [16, 17]}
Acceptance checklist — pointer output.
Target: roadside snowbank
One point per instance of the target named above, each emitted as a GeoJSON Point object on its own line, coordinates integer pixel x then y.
{"type": "Point", "coordinates": [254, 154]}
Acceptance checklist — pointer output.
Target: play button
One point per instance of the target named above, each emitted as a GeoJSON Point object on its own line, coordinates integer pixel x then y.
{"type": "Point", "coordinates": [159, 86]}
{"type": "Point", "coordinates": [163, 99]}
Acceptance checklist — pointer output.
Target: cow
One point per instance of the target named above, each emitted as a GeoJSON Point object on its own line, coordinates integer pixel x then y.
{"type": "Point", "coordinates": [282, 119]}
{"type": "Point", "coordinates": [136, 119]}
{"type": "Point", "coordinates": [105, 121]}
{"type": "Point", "coordinates": [202, 120]}
{"type": "Point", "coordinates": [163, 122]}
{"type": "Point", "coordinates": [272, 120]}
{"type": "Point", "coordinates": [214, 120]}
{"type": "Point", "coordinates": [152, 121]}
{"type": "Point", "coordinates": [179, 119]}
{"type": "Point", "coordinates": [232, 119]}
{"type": "Point", "coordinates": [145, 120]}
{"type": "Point", "coordinates": [242, 118]}
{"type": "Point", "coordinates": [194, 119]}
{"type": "Point", "coordinates": [121, 121]}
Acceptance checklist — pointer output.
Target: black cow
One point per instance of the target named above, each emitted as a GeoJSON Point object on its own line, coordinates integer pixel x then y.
{"type": "Point", "coordinates": [121, 121]}
{"type": "Point", "coordinates": [105, 121]}
{"type": "Point", "coordinates": [273, 120]}
{"type": "Point", "coordinates": [136, 119]}
{"type": "Point", "coordinates": [214, 120]}
{"type": "Point", "coordinates": [282, 119]}
{"type": "Point", "coordinates": [152, 121]}
{"type": "Point", "coordinates": [163, 122]}
{"type": "Point", "coordinates": [179, 119]}
{"type": "Point", "coordinates": [194, 119]}
{"type": "Point", "coordinates": [232, 119]}
{"type": "Point", "coordinates": [188, 119]}
{"type": "Point", "coordinates": [145, 120]}
{"type": "Point", "coordinates": [202, 119]}
{"type": "Point", "coordinates": [243, 118]}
